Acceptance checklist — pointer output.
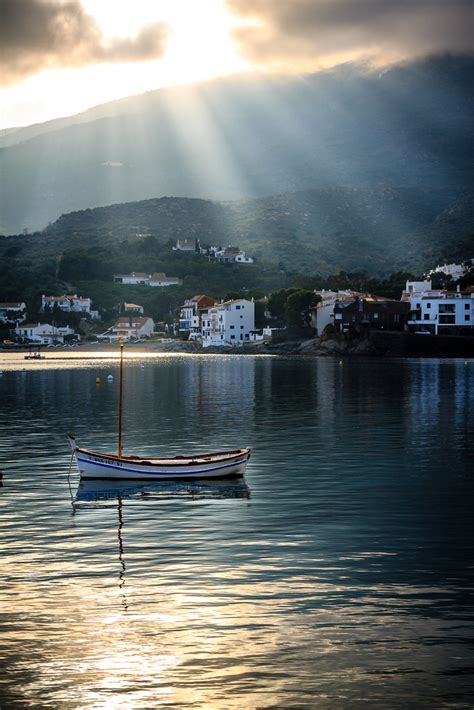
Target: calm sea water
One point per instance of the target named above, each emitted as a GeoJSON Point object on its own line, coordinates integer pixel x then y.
{"type": "Point", "coordinates": [339, 574]}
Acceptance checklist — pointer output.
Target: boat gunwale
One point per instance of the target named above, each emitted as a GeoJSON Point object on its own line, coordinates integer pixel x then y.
{"type": "Point", "coordinates": [175, 460]}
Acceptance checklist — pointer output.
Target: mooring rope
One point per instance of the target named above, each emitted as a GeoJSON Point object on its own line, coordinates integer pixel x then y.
{"type": "Point", "coordinates": [69, 480]}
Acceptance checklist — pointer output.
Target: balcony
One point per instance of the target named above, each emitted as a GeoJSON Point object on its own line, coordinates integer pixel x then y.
{"type": "Point", "coordinates": [418, 320]}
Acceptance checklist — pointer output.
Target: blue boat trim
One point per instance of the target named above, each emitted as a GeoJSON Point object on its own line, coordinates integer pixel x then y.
{"type": "Point", "coordinates": [162, 473]}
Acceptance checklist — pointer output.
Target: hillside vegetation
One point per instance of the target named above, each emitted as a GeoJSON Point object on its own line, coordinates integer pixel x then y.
{"type": "Point", "coordinates": [317, 231]}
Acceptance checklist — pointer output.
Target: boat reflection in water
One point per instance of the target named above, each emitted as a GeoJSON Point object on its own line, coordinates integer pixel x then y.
{"type": "Point", "coordinates": [99, 494]}
{"type": "Point", "coordinates": [91, 491]}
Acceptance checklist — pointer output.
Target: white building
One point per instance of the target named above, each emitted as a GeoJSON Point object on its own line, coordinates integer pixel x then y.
{"type": "Point", "coordinates": [264, 334]}
{"type": "Point", "coordinates": [43, 333]}
{"type": "Point", "coordinates": [192, 313]}
{"type": "Point", "coordinates": [68, 304]}
{"type": "Point", "coordinates": [129, 328]}
{"type": "Point", "coordinates": [242, 259]}
{"type": "Point", "coordinates": [189, 245]}
{"type": "Point", "coordinates": [415, 288]}
{"type": "Point", "coordinates": [137, 278]}
{"type": "Point", "coordinates": [133, 308]}
{"type": "Point", "coordinates": [455, 271]}
{"type": "Point", "coordinates": [230, 322]}
{"type": "Point", "coordinates": [161, 279]}
{"type": "Point", "coordinates": [442, 312]}
{"type": "Point", "coordinates": [14, 313]}
{"type": "Point", "coordinates": [230, 255]}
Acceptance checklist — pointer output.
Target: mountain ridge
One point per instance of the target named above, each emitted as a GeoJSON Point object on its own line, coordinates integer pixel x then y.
{"type": "Point", "coordinates": [239, 138]}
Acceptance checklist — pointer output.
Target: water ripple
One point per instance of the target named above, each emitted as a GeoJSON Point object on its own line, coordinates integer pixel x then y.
{"type": "Point", "coordinates": [340, 573]}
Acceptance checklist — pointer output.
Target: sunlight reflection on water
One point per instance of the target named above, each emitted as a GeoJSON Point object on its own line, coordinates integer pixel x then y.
{"type": "Point", "coordinates": [338, 574]}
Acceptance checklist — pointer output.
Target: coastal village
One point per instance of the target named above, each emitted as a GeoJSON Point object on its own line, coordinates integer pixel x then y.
{"type": "Point", "coordinates": [207, 321]}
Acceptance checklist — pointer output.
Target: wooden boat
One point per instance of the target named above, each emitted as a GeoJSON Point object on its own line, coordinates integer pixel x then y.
{"type": "Point", "coordinates": [93, 464]}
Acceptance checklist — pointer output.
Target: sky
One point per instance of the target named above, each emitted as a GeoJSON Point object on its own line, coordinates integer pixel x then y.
{"type": "Point", "coordinates": [60, 57]}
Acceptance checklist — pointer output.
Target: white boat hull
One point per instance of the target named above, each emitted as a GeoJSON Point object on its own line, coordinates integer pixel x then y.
{"type": "Point", "coordinates": [92, 464]}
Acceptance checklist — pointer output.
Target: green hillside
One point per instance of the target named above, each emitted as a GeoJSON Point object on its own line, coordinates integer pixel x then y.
{"type": "Point", "coordinates": [293, 238]}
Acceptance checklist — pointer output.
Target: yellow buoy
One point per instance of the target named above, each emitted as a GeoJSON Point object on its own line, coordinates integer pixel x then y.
{"type": "Point", "coordinates": [97, 380]}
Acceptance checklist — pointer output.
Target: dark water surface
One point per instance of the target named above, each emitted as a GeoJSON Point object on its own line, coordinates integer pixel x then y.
{"type": "Point", "coordinates": [340, 574]}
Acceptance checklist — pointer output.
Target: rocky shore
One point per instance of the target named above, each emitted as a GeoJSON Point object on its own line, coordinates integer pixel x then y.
{"type": "Point", "coordinates": [374, 344]}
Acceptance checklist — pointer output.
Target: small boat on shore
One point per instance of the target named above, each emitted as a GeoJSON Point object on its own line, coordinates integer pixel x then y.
{"type": "Point", "coordinates": [93, 464]}
{"type": "Point", "coordinates": [34, 355]}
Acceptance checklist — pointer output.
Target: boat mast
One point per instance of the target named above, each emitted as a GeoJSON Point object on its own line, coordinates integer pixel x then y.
{"type": "Point", "coordinates": [120, 402]}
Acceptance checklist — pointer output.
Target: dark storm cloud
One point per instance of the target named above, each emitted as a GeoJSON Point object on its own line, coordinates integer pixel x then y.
{"type": "Point", "coordinates": [39, 34]}
{"type": "Point", "coordinates": [300, 32]}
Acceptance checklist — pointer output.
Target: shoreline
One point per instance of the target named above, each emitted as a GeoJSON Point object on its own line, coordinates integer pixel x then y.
{"type": "Point", "coordinates": [374, 344]}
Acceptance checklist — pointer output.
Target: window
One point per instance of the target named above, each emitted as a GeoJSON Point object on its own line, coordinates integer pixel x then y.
{"type": "Point", "coordinates": [376, 315]}
{"type": "Point", "coordinates": [241, 336]}
{"type": "Point", "coordinates": [232, 327]}
{"type": "Point", "coordinates": [237, 308]}
{"type": "Point", "coordinates": [467, 317]}
{"type": "Point", "coordinates": [232, 337]}
{"type": "Point", "coordinates": [427, 316]}
{"type": "Point", "coordinates": [466, 306]}
{"type": "Point", "coordinates": [241, 316]}
{"type": "Point", "coordinates": [428, 305]}
{"type": "Point", "coordinates": [241, 327]}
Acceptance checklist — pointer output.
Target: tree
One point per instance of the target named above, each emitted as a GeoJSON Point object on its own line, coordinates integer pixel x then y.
{"type": "Point", "coordinates": [149, 246]}
{"type": "Point", "coordinates": [440, 280]}
{"type": "Point", "coordinates": [260, 307]}
{"type": "Point", "coordinates": [298, 308]}
{"type": "Point", "coordinates": [468, 279]}
{"type": "Point", "coordinates": [277, 302]}
{"type": "Point", "coordinates": [339, 281]}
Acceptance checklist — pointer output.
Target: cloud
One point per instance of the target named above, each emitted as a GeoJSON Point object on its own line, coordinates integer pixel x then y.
{"type": "Point", "coordinates": [305, 34]}
{"type": "Point", "coordinates": [41, 34]}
